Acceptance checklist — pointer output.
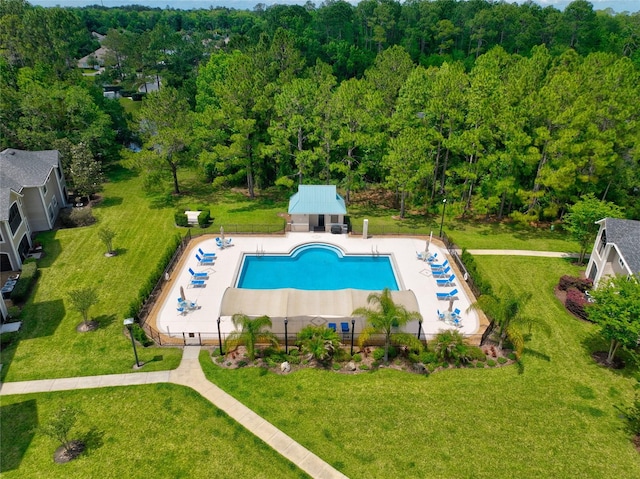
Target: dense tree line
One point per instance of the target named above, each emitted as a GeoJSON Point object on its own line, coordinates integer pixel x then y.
{"type": "Point", "coordinates": [510, 109]}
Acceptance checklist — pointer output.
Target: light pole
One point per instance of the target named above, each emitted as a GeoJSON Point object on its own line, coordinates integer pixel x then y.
{"type": "Point", "coordinates": [353, 328]}
{"type": "Point", "coordinates": [444, 204]}
{"type": "Point", "coordinates": [219, 337]}
{"type": "Point", "coordinates": [419, 328]}
{"type": "Point", "coordinates": [129, 324]}
{"type": "Point", "coordinates": [286, 337]}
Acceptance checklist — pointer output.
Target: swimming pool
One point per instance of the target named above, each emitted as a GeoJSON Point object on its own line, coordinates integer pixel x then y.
{"type": "Point", "coordinates": [317, 267]}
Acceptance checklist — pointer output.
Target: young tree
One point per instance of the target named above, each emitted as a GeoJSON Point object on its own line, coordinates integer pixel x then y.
{"type": "Point", "coordinates": [319, 343]}
{"type": "Point", "coordinates": [251, 331]}
{"type": "Point", "coordinates": [59, 428]}
{"type": "Point", "coordinates": [383, 317]}
{"type": "Point", "coordinates": [582, 217]}
{"type": "Point", "coordinates": [106, 236]}
{"type": "Point", "coordinates": [81, 300]}
{"type": "Point", "coordinates": [616, 309]}
{"type": "Point", "coordinates": [86, 173]}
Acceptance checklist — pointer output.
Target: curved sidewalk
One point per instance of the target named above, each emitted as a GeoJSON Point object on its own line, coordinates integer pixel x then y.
{"type": "Point", "coordinates": [190, 374]}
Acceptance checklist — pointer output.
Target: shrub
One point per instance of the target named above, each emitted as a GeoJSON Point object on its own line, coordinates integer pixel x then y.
{"type": "Point", "coordinates": [502, 360]}
{"type": "Point", "coordinates": [7, 339]}
{"type": "Point", "coordinates": [431, 367]}
{"type": "Point", "coordinates": [14, 312]}
{"type": "Point", "coordinates": [181, 218]}
{"type": "Point", "coordinates": [26, 281]}
{"type": "Point", "coordinates": [413, 358]}
{"type": "Point", "coordinates": [216, 352]}
{"type": "Point", "coordinates": [474, 352]}
{"type": "Point", "coordinates": [357, 358]}
{"type": "Point", "coordinates": [575, 303]}
{"type": "Point", "coordinates": [203, 218]}
{"type": "Point", "coordinates": [450, 345]}
{"type": "Point", "coordinates": [491, 363]}
{"type": "Point", "coordinates": [140, 336]}
{"type": "Point", "coordinates": [341, 355]}
{"type": "Point", "coordinates": [512, 356]}
{"type": "Point", "coordinates": [428, 357]}
{"type": "Point", "coordinates": [270, 362]}
{"type": "Point", "coordinates": [336, 366]}
{"type": "Point", "coordinates": [363, 367]}
{"type": "Point", "coordinates": [293, 359]}
{"type": "Point", "coordinates": [581, 284]}
{"type": "Point", "coordinates": [242, 364]}
{"type": "Point", "coordinates": [378, 354]}
{"type": "Point", "coordinates": [78, 217]}
{"type": "Point", "coordinates": [480, 364]}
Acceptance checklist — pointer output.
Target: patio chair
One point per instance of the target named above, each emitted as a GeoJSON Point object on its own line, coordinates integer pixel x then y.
{"type": "Point", "coordinates": [440, 315]}
{"type": "Point", "coordinates": [344, 327]}
{"type": "Point", "coordinates": [227, 242]}
{"type": "Point", "coordinates": [206, 255]}
{"type": "Point", "coordinates": [197, 283]}
{"type": "Point", "coordinates": [440, 266]}
{"type": "Point", "coordinates": [453, 294]}
{"type": "Point", "coordinates": [194, 275]}
{"type": "Point", "coordinates": [457, 311]}
{"type": "Point", "coordinates": [219, 243]}
{"type": "Point", "coordinates": [441, 273]}
{"type": "Point", "coordinates": [446, 281]}
{"type": "Point", "coordinates": [204, 261]}
{"type": "Point", "coordinates": [457, 323]}
{"type": "Point", "coordinates": [419, 256]}
{"type": "Point", "coordinates": [192, 304]}
{"type": "Point", "coordinates": [333, 326]}
{"type": "Point", "coordinates": [432, 257]}
{"type": "Point", "coordinates": [181, 310]}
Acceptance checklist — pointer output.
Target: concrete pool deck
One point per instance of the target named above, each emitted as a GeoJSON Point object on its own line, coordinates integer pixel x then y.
{"type": "Point", "coordinates": [201, 322]}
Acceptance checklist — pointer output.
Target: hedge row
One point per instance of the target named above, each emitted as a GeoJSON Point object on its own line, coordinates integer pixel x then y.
{"type": "Point", "coordinates": [472, 268]}
{"type": "Point", "coordinates": [27, 279]}
{"type": "Point", "coordinates": [147, 287]}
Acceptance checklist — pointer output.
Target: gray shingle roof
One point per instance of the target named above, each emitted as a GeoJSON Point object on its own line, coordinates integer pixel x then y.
{"type": "Point", "coordinates": [23, 169]}
{"type": "Point", "coordinates": [626, 236]}
{"type": "Point", "coordinates": [317, 200]}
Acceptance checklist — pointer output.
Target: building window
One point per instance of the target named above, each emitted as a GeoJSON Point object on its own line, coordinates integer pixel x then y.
{"type": "Point", "coordinates": [334, 218]}
{"type": "Point", "coordinates": [51, 212]}
{"type": "Point", "coordinates": [594, 272]}
{"type": "Point", "coordinates": [23, 247]}
{"type": "Point", "coordinates": [603, 242]}
{"type": "Point", "coordinates": [14, 218]}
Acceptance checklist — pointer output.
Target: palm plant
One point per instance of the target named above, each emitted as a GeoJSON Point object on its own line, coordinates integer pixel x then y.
{"type": "Point", "coordinates": [450, 345]}
{"type": "Point", "coordinates": [383, 317]}
{"type": "Point", "coordinates": [319, 343]}
{"type": "Point", "coordinates": [507, 317]}
{"type": "Point", "coordinates": [250, 331]}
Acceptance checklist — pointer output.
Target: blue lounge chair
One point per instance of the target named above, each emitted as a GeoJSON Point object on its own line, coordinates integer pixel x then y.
{"type": "Point", "coordinates": [194, 275]}
{"type": "Point", "coordinates": [344, 327]}
{"type": "Point", "coordinates": [197, 283]}
{"type": "Point", "coordinates": [441, 273]}
{"type": "Point", "coordinates": [457, 323]}
{"type": "Point", "coordinates": [219, 243]}
{"type": "Point", "coordinates": [432, 258]}
{"type": "Point", "coordinates": [206, 255]}
{"type": "Point", "coordinates": [204, 261]}
{"type": "Point", "coordinates": [332, 326]}
{"type": "Point", "coordinates": [453, 294]}
{"type": "Point", "coordinates": [440, 266]}
{"type": "Point", "coordinates": [181, 310]}
{"type": "Point", "coordinates": [446, 281]}
{"type": "Point", "coordinates": [456, 312]}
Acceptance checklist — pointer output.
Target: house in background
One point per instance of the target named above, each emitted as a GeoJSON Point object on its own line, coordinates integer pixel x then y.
{"type": "Point", "coordinates": [32, 191]}
{"type": "Point", "coordinates": [616, 250]}
{"type": "Point", "coordinates": [317, 208]}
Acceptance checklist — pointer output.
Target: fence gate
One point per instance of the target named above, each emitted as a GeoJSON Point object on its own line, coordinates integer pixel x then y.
{"type": "Point", "coordinates": [192, 339]}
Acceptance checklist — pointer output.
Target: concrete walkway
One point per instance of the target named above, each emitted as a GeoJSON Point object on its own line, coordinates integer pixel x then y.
{"type": "Point", "coordinates": [190, 374]}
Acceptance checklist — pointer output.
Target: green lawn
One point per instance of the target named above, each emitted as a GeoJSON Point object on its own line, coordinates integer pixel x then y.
{"type": "Point", "coordinates": [155, 431]}
{"type": "Point", "coordinates": [49, 346]}
{"type": "Point", "coordinates": [557, 419]}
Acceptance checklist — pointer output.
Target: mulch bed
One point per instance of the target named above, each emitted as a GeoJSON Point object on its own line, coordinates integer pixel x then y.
{"type": "Point", "coordinates": [63, 455]}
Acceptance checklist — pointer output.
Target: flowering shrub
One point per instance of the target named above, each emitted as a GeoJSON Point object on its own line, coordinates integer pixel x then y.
{"type": "Point", "coordinates": [581, 284]}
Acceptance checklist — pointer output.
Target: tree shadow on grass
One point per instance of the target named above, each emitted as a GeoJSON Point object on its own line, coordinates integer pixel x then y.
{"type": "Point", "coordinates": [51, 247]}
{"type": "Point", "coordinates": [92, 439]}
{"type": "Point", "coordinates": [537, 354]}
{"type": "Point", "coordinates": [624, 366]}
{"type": "Point", "coordinates": [18, 423]}
{"type": "Point", "coordinates": [116, 173]}
{"type": "Point", "coordinates": [105, 320]}
{"type": "Point", "coordinates": [109, 202]}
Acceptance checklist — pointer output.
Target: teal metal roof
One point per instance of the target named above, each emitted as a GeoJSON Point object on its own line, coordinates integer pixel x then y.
{"type": "Point", "coordinates": [317, 200]}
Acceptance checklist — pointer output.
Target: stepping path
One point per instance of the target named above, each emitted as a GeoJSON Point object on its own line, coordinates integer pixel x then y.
{"type": "Point", "coordinates": [190, 374]}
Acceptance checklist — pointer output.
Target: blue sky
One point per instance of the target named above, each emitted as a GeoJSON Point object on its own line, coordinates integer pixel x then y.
{"type": "Point", "coordinates": [616, 5]}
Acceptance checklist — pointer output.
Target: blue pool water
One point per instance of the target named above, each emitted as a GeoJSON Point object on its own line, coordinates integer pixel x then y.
{"type": "Point", "coordinates": [317, 267]}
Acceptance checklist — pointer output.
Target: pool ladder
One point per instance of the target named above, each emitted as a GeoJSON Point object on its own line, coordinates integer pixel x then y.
{"type": "Point", "coordinates": [259, 250]}
{"type": "Point", "coordinates": [375, 252]}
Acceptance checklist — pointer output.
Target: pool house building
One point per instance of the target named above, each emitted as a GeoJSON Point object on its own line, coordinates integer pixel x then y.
{"type": "Point", "coordinates": [317, 208]}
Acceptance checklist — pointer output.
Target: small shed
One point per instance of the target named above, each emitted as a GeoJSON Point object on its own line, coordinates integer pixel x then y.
{"type": "Point", "coordinates": [317, 208]}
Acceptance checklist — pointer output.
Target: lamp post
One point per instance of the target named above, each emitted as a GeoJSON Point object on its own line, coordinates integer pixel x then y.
{"type": "Point", "coordinates": [129, 324]}
{"type": "Point", "coordinates": [353, 329]}
{"type": "Point", "coordinates": [219, 337]}
{"type": "Point", "coordinates": [286, 337]}
{"type": "Point", "coordinates": [444, 204]}
{"type": "Point", "coordinates": [419, 328]}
